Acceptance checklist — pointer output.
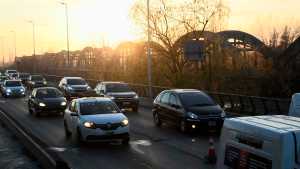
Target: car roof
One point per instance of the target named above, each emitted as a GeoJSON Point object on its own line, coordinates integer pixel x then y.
{"type": "Point", "coordinates": [44, 88]}
{"type": "Point", "coordinates": [184, 90]}
{"type": "Point", "coordinates": [92, 99]}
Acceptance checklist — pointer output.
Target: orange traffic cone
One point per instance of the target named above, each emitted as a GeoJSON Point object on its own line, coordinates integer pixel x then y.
{"type": "Point", "coordinates": [211, 157]}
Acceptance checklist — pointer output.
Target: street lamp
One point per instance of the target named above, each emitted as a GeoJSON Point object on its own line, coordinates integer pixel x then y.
{"type": "Point", "coordinates": [67, 26]}
{"type": "Point", "coordinates": [33, 36]}
{"type": "Point", "coordinates": [15, 43]}
{"type": "Point", "coordinates": [149, 51]}
{"type": "Point", "coordinates": [2, 49]}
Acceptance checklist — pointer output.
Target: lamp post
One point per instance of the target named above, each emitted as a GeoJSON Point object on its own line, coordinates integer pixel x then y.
{"type": "Point", "coordinates": [15, 43]}
{"type": "Point", "coordinates": [149, 63]}
{"type": "Point", "coordinates": [2, 49]}
{"type": "Point", "coordinates": [67, 26]}
{"type": "Point", "coordinates": [33, 36]}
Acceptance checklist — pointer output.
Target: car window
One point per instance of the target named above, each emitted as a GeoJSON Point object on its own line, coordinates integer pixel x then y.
{"type": "Point", "coordinates": [13, 83]}
{"type": "Point", "coordinates": [173, 100]}
{"type": "Point", "coordinates": [196, 99]}
{"type": "Point", "coordinates": [98, 107]}
{"type": "Point", "coordinates": [33, 93]}
{"type": "Point", "coordinates": [117, 87]}
{"type": "Point", "coordinates": [72, 106]}
{"type": "Point", "coordinates": [37, 78]}
{"type": "Point", "coordinates": [76, 82]}
{"type": "Point", "coordinates": [49, 93]}
{"type": "Point", "coordinates": [165, 98]}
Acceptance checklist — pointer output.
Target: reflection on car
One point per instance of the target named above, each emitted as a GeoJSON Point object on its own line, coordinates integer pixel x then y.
{"type": "Point", "coordinates": [120, 93]}
{"type": "Point", "coordinates": [46, 100]}
{"type": "Point", "coordinates": [12, 88]}
{"type": "Point", "coordinates": [187, 108]}
{"type": "Point", "coordinates": [96, 119]}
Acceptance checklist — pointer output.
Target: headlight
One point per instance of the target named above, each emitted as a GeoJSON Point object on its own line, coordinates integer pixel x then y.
{"type": "Point", "coordinates": [125, 122]}
{"type": "Point", "coordinates": [136, 96]}
{"type": "Point", "coordinates": [89, 125]}
{"type": "Point", "coordinates": [192, 115]}
{"type": "Point", "coordinates": [63, 103]}
{"type": "Point", "coordinates": [8, 90]}
{"type": "Point", "coordinates": [42, 104]}
{"type": "Point", "coordinates": [88, 88]}
{"type": "Point", "coordinates": [70, 88]}
{"type": "Point", "coordinates": [33, 83]}
{"type": "Point", "coordinates": [45, 83]}
{"type": "Point", "coordinates": [111, 97]}
{"type": "Point", "coordinates": [223, 114]}
{"type": "Point", "coordinates": [22, 90]}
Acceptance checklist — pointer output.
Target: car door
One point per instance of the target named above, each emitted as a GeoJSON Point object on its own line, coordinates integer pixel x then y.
{"type": "Point", "coordinates": [68, 116]}
{"type": "Point", "coordinates": [163, 106]}
{"type": "Point", "coordinates": [175, 111]}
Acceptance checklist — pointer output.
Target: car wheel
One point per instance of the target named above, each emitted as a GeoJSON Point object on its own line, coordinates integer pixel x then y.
{"type": "Point", "coordinates": [183, 126]}
{"type": "Point", "coordinates": [79, 137]}
{"type": "Point", "coordinates": [156, 119]}
{"type": "Point", "coordinates": [125, 141]}
{"type": "Point", "coordinates": [67, 132]}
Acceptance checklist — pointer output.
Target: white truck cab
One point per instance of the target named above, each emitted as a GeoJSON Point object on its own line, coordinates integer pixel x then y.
{"type": "Point", "coordinates": [260, 142]}
{"type": "Point", "coordinates": [295, 105]}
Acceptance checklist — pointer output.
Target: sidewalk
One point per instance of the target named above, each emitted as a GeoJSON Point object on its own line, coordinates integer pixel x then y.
{"type": "Point", "coordinates": [12, 152]}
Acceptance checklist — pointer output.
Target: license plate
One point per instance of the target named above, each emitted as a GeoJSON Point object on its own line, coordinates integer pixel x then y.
{"type": "Point", "coordinates": [126, 103]}
{"type": "Point", "coordinates": [109, 133]}
{"type": "Point", "coordinates": [212, 123]}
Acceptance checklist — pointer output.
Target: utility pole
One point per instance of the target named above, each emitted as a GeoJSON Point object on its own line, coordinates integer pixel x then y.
{"type": "Point", "coordinates": [15, 44]}
{"type": "Point", "coordinates": [2, 49]}
{"type": "Point", "coordinates": [149, 52]}
{"type": "Point", "coordinates": [67, 26]}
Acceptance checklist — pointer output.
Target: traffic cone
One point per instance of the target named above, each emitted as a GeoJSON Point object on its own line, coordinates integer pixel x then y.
{"type": "Point", "coordinates": [211, 157]}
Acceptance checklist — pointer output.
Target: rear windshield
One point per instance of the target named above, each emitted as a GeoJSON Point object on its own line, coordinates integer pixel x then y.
{"type": "Point", "coordinates": [13, 83]}
{"type": "Point", "coordinates": [24, 75]}
{"type": "Point", "coordinates": [97, 107]}
{"type": "Point", "coordinates": [37, 78]}
{"type": "Point", "coordinates": [76, 82]}
{"type": "Point", "coordinates": [196, 99]}
{"type": "Point", "coordinates": [48, 93]}
{"type": "Point", "coordinates": [118, 88]}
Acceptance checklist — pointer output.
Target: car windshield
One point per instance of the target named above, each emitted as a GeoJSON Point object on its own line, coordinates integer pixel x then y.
{"type": "Point", "coordinates": [13, 83]}
{"type": "Point", "coordinates": [11, 71]}
{"type": "Point", "coordinates": [14, 75]}
{"type": "Point", "coordinates": [98, 107]}
{"type": "Point", "coordinates": [48, 93]}
{"type": "Point", "coordinates": [24, 75]}
{"type": "Point", "coordinates": [37, 78]}
{"type": "Point", "coordinates": [118, 88]}
{"type": "Point", "coordinates": [195, 99]}
{"type": "Point", "coordinates": [76, 82]}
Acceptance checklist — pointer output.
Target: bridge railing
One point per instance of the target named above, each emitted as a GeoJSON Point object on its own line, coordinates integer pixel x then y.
{"type": "Point", "coordinates": [238, 105]}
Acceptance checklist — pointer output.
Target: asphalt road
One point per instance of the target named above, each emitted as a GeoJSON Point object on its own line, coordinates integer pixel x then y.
{"type": "Point", "coordinates": [150, 147]}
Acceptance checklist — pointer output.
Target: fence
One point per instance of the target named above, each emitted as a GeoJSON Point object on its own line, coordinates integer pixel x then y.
{"type": "Point", "coordinates": [240, 105]}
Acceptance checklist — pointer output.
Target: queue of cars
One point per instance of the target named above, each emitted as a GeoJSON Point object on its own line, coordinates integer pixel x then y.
{"type": "Point", "coordinates": [97, 114]}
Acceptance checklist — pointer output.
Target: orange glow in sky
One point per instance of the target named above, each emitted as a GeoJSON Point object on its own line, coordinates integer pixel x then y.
{"type": "Point", "coordinates": [94, 22]}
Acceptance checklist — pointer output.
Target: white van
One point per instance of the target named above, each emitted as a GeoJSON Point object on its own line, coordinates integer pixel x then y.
{"type": "Point", "coordinates": [295, 105]}
{"type": "Point", "coordinates": [260, 142]}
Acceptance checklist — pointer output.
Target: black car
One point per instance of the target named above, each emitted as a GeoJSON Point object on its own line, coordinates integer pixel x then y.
{"type": "Point", "coordinates": [75, 87]}
{"type": "Point", "coordinates": [189, 109]}
{"type": "Point", "coordinates": [120, 93]}
{"type": "Point", "coordinates": [46, 100]}
{"type": "Point", "coordinates": [24, 77]}
{"type": "Point", "coordinates": [36, 81]}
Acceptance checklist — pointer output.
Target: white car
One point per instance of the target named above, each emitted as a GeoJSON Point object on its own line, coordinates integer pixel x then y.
{"type": "Point", "coordinates": [96, 119]}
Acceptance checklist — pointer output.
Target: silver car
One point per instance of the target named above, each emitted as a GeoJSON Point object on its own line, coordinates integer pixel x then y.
{"type": "Point", "coordinates": [96, 119]}
{"type": "Point", "coordinates": [11, 88]}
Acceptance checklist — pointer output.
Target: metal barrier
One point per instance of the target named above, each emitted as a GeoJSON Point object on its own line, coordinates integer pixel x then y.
{"type": "Point", "coordinates": [239, 105]}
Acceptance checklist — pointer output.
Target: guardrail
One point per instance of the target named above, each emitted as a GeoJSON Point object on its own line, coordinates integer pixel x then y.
{"type": "Point", "coordinates": [236, 104]}
{"type": "Point", "coordinates": [46, 159]}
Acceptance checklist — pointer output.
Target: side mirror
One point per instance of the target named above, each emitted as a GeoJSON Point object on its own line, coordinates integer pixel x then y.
{"type": "Point", "coordinates": [74, 114]}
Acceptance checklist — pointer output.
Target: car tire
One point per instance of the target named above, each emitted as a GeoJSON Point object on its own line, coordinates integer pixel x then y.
{"type": "Point", "coordinates": [79, 137]}
{"type": "Point", "coordinates": [183, 127]}
{"type": "Point", "coordinates": [67, 132]}
{"type": "Point", "coordinates": [156, 119]}
{"type": "Point", "coordinates": [126, 141]}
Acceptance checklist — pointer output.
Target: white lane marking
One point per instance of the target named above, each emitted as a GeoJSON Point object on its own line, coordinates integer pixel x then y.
{"type": "Point", "coordinates": [57, 149]}
{"type": "Point", "coordinates": [2, 101]}
{"type": "Point", "coordinates": [135, 145]}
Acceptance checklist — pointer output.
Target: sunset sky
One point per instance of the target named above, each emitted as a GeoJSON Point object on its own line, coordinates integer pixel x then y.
{"type": "Point", "coordinates": [94, 22]}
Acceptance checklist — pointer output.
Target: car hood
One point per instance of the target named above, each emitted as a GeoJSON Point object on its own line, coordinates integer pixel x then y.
{"type": "Point", "coordinates": [15, 88]}
{"type": "Point", "coordinates": [53, 100]}
{"type": "Point", "coordinates": [103, 118]}
{"type": "Point", "coordinates": [205, 110]}
{"type": "Point", "coordinates": [121, 94]}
